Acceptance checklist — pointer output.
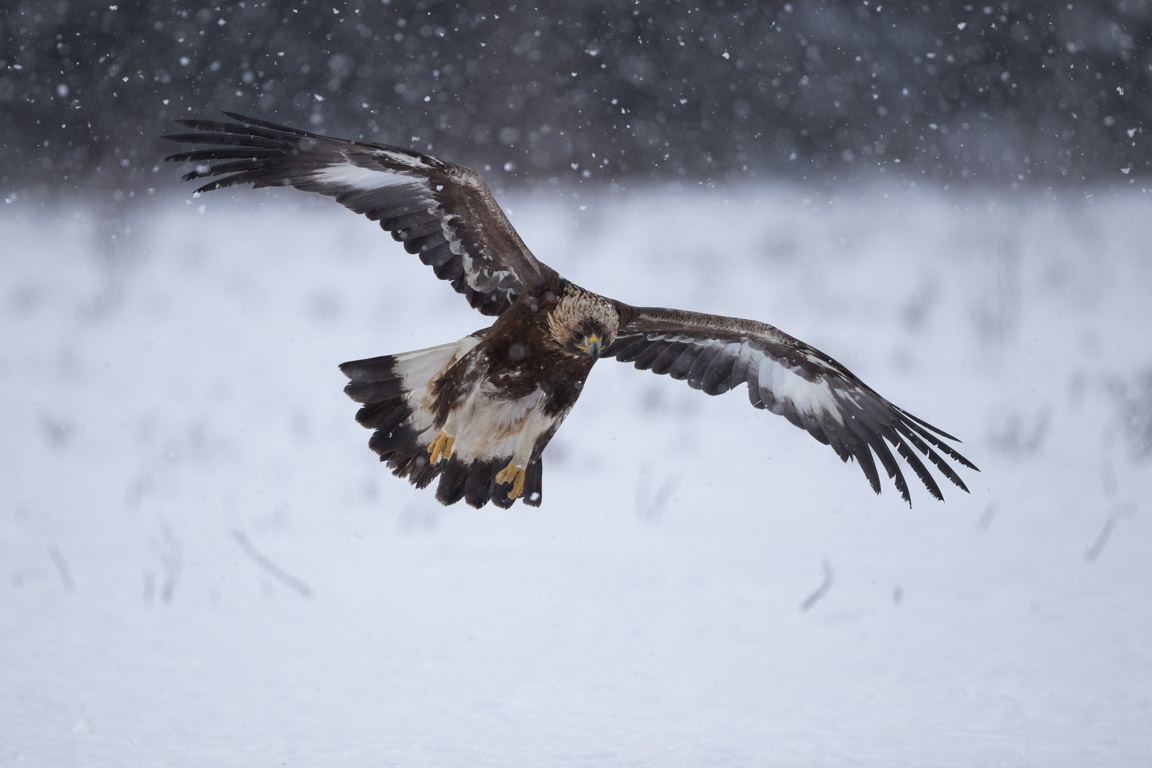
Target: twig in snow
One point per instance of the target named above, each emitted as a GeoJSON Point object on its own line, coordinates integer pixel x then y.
{"type": "Point", "coordinates": [651, 507]}
{"type": "Point", "coordinates": [298, 586]}
{"type": "Point", "coordinates": [62, 568]}
{"type": "Point", "coordinates": [1119, 511]}
{"type": "Point", "coordinates": [168, 554]}
{"type": "Point", "coordinates": [986, 519]}
{"type": "Point", "coordinates": [822, 590]}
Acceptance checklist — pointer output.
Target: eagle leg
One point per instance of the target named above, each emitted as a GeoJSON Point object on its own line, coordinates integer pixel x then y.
{"type": "Point", "coordinates": [512, 474]}
{"type": "Point", "coordinates": [441, 447]}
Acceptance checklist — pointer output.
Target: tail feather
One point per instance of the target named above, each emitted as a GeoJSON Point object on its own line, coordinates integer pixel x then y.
{"type": "Point", "coordinates": [390, 443]}
{"type": "Point", "coordinates": [478, 486]}
{"type": "Point", "coordinates": [392, 389]}
{"type": "Point", "coordinates": [420, 472]}
{"type": "Point", "coordinates": [452, 481]}
{"type": "Point", "coordinates": [384, 416]}
{"type": "Point", "coordinates": [533, 483]}
{"type": "Point", "coordinates": [501, 499]}
{"type": "Point", "coordinates": [375, 391]}
{"type": "Point", "coordinates": [372, 369]}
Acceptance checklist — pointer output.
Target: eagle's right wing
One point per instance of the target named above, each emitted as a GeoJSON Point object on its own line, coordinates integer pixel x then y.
{"type": "Point", "coordinates": [440, 211]}
{"type": "Point", "coordinates": [787, 377]}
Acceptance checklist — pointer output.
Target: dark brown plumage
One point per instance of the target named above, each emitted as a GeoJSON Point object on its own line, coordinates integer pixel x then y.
{"type": "Point", "coordinates": [477, 413]}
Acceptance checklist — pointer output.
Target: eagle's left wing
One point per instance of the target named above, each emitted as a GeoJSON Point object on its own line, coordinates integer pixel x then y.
{"type": "Point", "coordinates": [440, 211]}
{"type": "Point", "coordinates": [787, 377]}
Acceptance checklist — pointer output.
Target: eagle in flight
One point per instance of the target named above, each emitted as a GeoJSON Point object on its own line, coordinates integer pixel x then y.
{"type": "Point", "coordinates": [477, 413]}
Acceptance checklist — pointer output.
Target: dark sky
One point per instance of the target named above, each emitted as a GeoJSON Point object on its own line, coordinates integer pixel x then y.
{"type": "Point", "coordinates": [1025, 92]}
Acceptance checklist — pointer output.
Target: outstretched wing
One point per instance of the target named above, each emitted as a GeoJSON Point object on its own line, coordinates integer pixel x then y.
{"type": "Point", "coordinates": [787, 377]}
{"type": "Point", "coordinates": [440, 211]}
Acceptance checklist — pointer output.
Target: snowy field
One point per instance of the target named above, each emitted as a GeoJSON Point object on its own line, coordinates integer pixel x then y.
{"type": "Point", "coordinates": [201, 563]}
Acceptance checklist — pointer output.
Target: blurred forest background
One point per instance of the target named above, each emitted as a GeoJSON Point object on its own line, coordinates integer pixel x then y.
{"type": "Point", "coordinates": [1023, 92]}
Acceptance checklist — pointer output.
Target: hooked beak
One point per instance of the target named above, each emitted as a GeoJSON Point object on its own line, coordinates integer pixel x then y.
{"type": "Point", "coordinates": [591, 345]}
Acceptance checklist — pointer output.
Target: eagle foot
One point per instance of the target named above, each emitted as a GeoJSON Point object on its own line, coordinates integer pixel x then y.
{"type": "Point", "coordinates": [512, 474]}
{"type": "Point", "coordinates": [441, 447]}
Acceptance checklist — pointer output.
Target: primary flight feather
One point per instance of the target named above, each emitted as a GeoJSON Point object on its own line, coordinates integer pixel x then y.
{"type": "Point", "coordinates": [477, 413]}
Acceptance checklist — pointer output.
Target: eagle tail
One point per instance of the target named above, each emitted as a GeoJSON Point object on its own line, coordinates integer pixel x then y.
{"type": "Point", "coordinates": [475, 483]}
{"type": "Point", "coordinates": [392, 391]}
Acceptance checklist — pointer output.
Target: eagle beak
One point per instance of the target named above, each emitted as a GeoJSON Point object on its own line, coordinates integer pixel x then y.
{"type": "Point", "coordinates": [591, 345]}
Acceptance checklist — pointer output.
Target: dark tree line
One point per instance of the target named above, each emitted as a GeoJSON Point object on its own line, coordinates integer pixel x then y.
{"type": "Point", "coordinates": [1029, 91]}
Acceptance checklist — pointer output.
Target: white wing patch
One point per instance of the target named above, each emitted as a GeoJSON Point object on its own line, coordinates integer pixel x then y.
{"type": "Point", "coordinates": [402, 158]}
{"type": "Point", "coordinates": [811, 397]}
{"type": "Point", "coordinates": [349, 175]}
{"type": "Point", "coordinates": [773, 377]}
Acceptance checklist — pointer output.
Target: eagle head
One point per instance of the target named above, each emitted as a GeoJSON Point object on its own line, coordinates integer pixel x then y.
{"type": "Point", "coordinates": [583, 323]}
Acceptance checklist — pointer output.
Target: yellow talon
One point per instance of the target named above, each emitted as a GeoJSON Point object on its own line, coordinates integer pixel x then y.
{"type": "Point", "coordinates": [440, 447]}
{"type": "Point", "coordinates": [512, 474]}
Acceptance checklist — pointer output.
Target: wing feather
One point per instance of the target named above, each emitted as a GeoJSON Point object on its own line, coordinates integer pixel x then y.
{"type": "Point", "coordinates": [626, 350]}
{"type": "Point", "coordinates": [667, 358]}
{"type": "Point", "coordinates": [933, 456]}
{"type": "Point", "coordinates": [648, 355]}
{"type": "Point", "coordinates": [863, 458]}
{"type": "Point", "coordinates": [716, 379]}
{"type": "Point", "coordinates": [699, 364]}
{"type": "Point", "coordinates": [790, 378]}
{"type": "Point", "coordinates": [441, 211]}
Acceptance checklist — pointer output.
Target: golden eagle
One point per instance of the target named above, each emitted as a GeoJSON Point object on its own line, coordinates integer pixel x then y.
{"type": "Point", "coordinates": [477, 413]}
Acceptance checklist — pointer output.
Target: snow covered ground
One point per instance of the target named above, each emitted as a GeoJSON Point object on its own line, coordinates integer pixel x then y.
{"type": "Point", "coordinates": [201, 563]}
